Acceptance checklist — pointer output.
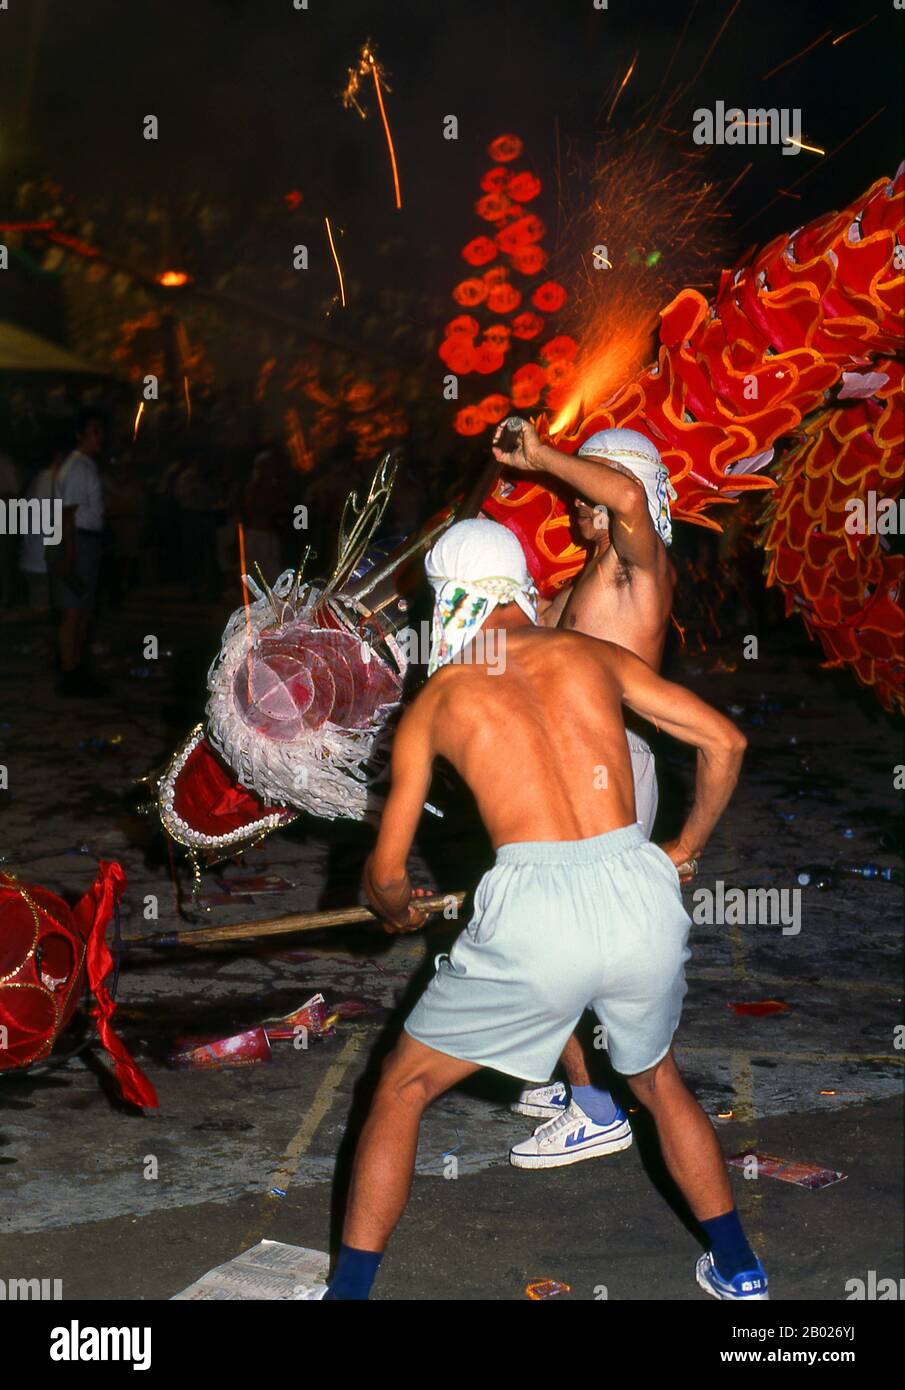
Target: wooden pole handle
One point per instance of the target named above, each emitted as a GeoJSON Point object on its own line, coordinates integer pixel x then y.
{"type": "Point", "coordinates": [285, 926]}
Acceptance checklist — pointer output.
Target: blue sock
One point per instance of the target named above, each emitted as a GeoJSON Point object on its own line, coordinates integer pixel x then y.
{"type": "Point", "coordinates": [730, 1250]}
{"type": "Point", "coordinates": [355, 1272]}
{"type": "Point", "coordinates": [598, 1105]}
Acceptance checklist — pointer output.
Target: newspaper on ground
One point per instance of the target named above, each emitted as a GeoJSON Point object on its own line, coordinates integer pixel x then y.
{"type": "Point", "coordinates": [269, 1270]}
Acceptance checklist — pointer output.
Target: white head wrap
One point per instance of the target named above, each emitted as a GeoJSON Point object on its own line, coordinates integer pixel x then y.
{"type": "Point", "coordinates": [474, 566]}
{"type": "Point", "coordinates": [636, 453]}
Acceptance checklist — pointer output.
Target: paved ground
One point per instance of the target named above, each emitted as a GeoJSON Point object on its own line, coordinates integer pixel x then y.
{"type": "Point", "coordinates": [819, 1082]}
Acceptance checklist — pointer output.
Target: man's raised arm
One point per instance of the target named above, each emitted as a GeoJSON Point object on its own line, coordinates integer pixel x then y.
{"type": "Point", "coordinates": [720, 745]}
{"type": "Point", "coordinates": [598, 481]}
{"type": "Point", "coordinates": [386, 881]}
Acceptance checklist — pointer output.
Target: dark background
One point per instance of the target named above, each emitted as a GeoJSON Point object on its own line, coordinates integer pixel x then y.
{"type": "Point", "coordinates": [247, 94]}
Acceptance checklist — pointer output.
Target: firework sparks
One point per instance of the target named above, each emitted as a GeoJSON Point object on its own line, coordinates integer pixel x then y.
{"type": "Point", "coordinates": [339, 272]}
{"type": "Point", "coordinates": [187, 396]}
{"type": "Point", "coordinates": [137, 421]}
{"type": "Point", "coordinates": [366, 66]}
{"type": "Point", "coordinates": [848, 33]}
{"type": "Point", "coordinates": [622, 86]}
{"type": "Point", "coordinates": [656, 227]}
{"type": "Point", "coordinates": [799, 144]}
{"type": "Point", "coordinates": [795, 56]}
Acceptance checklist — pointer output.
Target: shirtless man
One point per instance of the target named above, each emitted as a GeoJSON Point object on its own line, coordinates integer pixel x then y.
{"type": "Point", "coordinates": [580, 909]}
{"type": "Point", "coordinates": [623, 594]}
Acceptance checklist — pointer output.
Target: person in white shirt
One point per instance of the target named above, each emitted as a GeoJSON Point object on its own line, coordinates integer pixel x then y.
{"type": "Point", "coordinates": [33, 552]}
{"type": "Point", "coordinates": [74, 571]}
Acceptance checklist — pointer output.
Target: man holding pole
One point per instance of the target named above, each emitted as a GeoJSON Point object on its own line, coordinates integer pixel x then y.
{"type": "Point", "coordinates": [621, 511]}
{"type": "Point", "coordinates": [580, 909]}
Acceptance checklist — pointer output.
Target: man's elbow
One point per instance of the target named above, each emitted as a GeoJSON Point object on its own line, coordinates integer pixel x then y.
{"type": "Point", "coordinates": [632, 504]}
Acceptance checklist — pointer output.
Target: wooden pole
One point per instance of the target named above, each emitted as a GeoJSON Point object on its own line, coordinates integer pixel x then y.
{"type": "Point", "coordinates": [285, 926]}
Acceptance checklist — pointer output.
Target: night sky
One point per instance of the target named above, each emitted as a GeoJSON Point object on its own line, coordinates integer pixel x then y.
{"type": "Point", "coordinates": [247, 94]}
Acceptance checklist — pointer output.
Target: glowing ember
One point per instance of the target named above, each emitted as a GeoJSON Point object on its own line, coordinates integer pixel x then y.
{"type": "Point", "coordinates": [173, 279]}
{"type": "Point", "coordinates": [342, 288]}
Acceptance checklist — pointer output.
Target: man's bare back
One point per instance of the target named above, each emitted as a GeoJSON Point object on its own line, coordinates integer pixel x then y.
{"type": "Point", "coordinates": [542, 745]}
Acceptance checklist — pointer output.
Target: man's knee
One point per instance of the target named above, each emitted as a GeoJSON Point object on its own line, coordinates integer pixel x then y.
{"type": "Point", "coordinates": [649, 1085]}
{"type": "Point", "coordinates": [405, 1083]}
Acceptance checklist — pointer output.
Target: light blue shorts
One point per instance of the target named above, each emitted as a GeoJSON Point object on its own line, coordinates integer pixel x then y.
{"type": "Point", "coordinates": [560, 926]}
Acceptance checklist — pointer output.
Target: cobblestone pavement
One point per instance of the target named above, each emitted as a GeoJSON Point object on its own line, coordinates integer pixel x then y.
{"type": "Point", "coordinates": [820, 1081]}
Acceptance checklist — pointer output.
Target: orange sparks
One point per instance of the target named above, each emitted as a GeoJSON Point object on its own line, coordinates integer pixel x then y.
{"type": "Point", "coordinates": [848, 33]}
{"type": "Point", "coordinates": [815, 149]}
{"type": "Point", "coordinates": [188, 399]}
{"type": "Point", "coordinates": [795, 56]}
{"type": "Point", "coordinates": [719, 35]}
{"type": "Point", "coordinates": [137, 421]}
{"type": "Point", "coordinates": [339, 272]}
{"type": "Point", "coordinates": [386, 126]}
{"type": "Point", "coordinates": [367, 63]}
{"type": "Point", "coordinates": [622, 85]}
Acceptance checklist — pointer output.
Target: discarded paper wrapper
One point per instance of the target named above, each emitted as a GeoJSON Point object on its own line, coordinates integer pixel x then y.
{"type": "Point", "coordinates": [312, 1015]}
{"type": "Point", "coordinates": [242, 1050]}
{"type": "Point", "coordinates": [808, 1175]}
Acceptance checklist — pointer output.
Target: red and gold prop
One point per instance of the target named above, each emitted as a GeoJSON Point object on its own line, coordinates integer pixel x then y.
{"type": "Point", "coordinates": [47, 951]}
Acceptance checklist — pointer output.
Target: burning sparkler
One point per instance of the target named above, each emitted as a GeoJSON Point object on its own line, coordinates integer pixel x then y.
{"type": "Point", "coordinates": [368, 66]}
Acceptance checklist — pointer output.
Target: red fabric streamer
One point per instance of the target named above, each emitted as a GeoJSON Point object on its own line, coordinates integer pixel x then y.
{"type": "Point", "coordinates": [92, 915]}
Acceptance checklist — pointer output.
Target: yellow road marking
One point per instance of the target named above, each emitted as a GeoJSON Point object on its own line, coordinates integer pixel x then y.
{"type": "Point", "coordinates": [283, 1175]}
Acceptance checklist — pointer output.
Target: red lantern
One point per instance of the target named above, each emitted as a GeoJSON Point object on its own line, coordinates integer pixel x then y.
{"type": "Point", "coordinates": [493, 408]}
{"type": "Point", "coordinates": [464, 324]}
{"type": "Point", "coordinates": [527, 325]}
{"type": "Point", "coordinates": [520, 234]}
{"type": "Point", "coordinates": [469, 421]}
{"type": "Point", "coordinates": [492, 207]}
{"type": "Point", "coordinates": [549, 297]}
{"type": "Point", "coordinates": [495, 180]}
{"type": "Point", "coordinates": [505, 148]}
{"type": "Point", "coordinates": [498, 334]}
{"type": "Point", "coordinates": [529, 260]}
{"type": "Point", "coordinates": [479, 251]}
{"type": "Point", "coordinates": [560, 372]}
{"type": "Point", "coordinates": [523, 187]}
{"type": "Point", "coordinates": [470, 292]}
{"type": "Point", "coordinates": [524, 394]}
{"type": "Point", "coordinates": [487, 359]}
{"type": "Point", "coordinates": [503, 298]}
{"type": "Point", "coordinates": [457, 352]}
{"type": "Point", "coordinates": [563, 346]}
{"type": "Point", "coordinates": [527, 384]}
{"type": "Point", "coordinates": [530, 372]}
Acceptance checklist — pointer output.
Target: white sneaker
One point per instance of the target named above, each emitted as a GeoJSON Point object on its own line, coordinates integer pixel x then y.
{"type": "Point", "coordinates": [543, 1101]}
{"type": "Point", "coordinates": [570, 1138]}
